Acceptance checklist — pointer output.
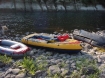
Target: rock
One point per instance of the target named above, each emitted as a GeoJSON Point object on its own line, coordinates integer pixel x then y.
{"type": "Point", "coordinates": [98, 53]}
{"type": "Point", "coordinates": [2, 74]}
{"type": "Point", "coordinates": [49, 53]}
{"type": "Point", "coordinates": [50, 57]}
{"type": "Point", "coordinates": [21, 75]}
{"type": "Point", "coordinates": [67, 77]}
{"type": "Point", "coordinates": [73, 64]}
{"type": "Point", "coordinates": [87, 47]}
{"type": "Point", "coordinates": [8, 76]}
{"type": "Point", "coordinates": [53, 61]}
{"type": "Point", "coordinates": [102, 57]}
{"type": "Point", "coordinates": [101, 67]}
{"type": "Point", "coordinates": [2, 64]}
{"type": "Point", "coordinates": [31, 53]}
{"type": "Point", "coordinates": [55, 55]}
{"type": "Point", "coordinates": [16, 38]}
{"type": "Point", "coordinates": [71, 61]}
{"type": "Point", "coordinates": [39, 73]}
{"type": "Point", "coordinates": [64, 72]}
{"type": "Point", "coordinates": [102, 76]}
{"type": "Point", "coordinates": [54, 69]}
{"type": "Point", "coordinates": [17, 35]}
{"type": "Point", "coordinates": [89, 70]}
{"type": "Point", "coordinates": [67, 62]}
{"type": "Point", "coordinates": [91, 51]}
{"type": "Point", "coordinates": [15, 71]}
{"type": "Point", "coordinates": [83, 76]}
{"type": "Point", "coordinates": [13, 76]}
{"type": "Point", "coordinates": [98, 59]}
{"type": "Point", "coordinates": [27, 33]}
{"type": "Point", "coordinates": [7, 72]}
{"type": "Point", "coordinates": [58, 60]}
{"type": "Point", "coordinates": [68, 56]}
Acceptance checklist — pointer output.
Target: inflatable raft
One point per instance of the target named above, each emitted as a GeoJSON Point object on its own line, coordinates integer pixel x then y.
{"type": "Point", "coordinates": [13, 48]}
{"type": "Point", "coordinates": [61, 43]}
{"type": "Point", "coordinates": [91, 38]}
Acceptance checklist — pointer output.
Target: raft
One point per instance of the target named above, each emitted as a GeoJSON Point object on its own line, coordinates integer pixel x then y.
{"type": "Point", "coordinates": [88, 37]}
{"type": "Point", "coordinates": [60, 43]}
{"type": "Point", "coordinates": [13, 48]}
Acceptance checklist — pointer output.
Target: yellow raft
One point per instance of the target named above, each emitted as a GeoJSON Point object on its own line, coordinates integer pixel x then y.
{"type": "Point", "coordinates": [50, 42]}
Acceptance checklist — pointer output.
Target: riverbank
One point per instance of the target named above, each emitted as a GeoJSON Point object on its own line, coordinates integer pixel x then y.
{"type": "Point", "coordinates": [56, 64]}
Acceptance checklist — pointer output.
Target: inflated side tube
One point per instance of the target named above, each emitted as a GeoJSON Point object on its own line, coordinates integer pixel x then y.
{"type": "Point", "coordinates": [91, 38]}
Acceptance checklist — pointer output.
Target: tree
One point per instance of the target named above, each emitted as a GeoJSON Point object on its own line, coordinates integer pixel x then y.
{"type": "Point", "coordinates": [24, 5]}
{"type": "Point", "coordinates": [54, 2]}
{"type": "Point", "coordinates": [45, 1]}
{"type": "Point", "coordinates": [39, 2]}
{"type": "Point", "coordinates": [31, 4]}
{"type": "Point", "coordinates": [63, 3]}
{"type": "Point", "coordinates": [14, 4]}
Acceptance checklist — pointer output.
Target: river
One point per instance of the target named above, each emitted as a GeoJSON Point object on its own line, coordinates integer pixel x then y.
{"type": "Point", "coordinates": [53, 21]}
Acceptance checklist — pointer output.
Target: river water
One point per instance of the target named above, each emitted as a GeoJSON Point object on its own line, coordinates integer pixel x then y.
{"type": "Point", "coordinates": [53, 21]}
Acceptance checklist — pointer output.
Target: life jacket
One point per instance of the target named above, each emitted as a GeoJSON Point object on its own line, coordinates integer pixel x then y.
{"type": "Point", "coordinates": [63, 37]}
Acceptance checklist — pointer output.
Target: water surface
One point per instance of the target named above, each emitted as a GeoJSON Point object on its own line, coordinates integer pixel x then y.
{"type": "Point", "coordinates": [53, 21]}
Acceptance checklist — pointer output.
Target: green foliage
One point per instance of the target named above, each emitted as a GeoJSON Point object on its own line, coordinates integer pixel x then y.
{"type": "Point", "coordinates": [62, 64]}
{"type": "Point", "coordinates": [5, 59]}
{"type": "Point", "coordinates": [49, 73]}
{"type": "Point", "coordinates": [75, 75]}
{"type": "Point", "coordinates": [53, 75]}
{"type": "Point", "coordinates": [88, 2]}
{"type": "Point", "coordinates": [41, 62]}
{"type": "Point", "coordinates": [29, 65]}
{"type": "Point", "coordinates": [32, 66]}
{"type": "Point", "coordinates": [56, 76]}
{"type": "Point", "coordinates": [88, 67]}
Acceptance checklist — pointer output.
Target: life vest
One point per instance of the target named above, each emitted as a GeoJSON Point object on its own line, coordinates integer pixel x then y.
{"type": "Point", "coordinates": [63, 37]}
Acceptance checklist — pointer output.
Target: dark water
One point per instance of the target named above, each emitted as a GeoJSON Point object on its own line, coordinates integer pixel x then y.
{"type": "Point", "coordinates": [53, 21]}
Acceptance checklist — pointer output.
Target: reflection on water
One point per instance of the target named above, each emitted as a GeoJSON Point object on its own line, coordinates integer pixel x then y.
{"type": "Point", "coordinates": [53, 21]}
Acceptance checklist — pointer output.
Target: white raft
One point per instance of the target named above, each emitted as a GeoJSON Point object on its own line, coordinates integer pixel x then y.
{"type": "Point", "coordinates": [13, 48]}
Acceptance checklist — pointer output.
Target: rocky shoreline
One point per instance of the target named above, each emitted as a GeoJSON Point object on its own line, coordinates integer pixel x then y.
{"type": "Point", "coordinates": [57, 65]}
